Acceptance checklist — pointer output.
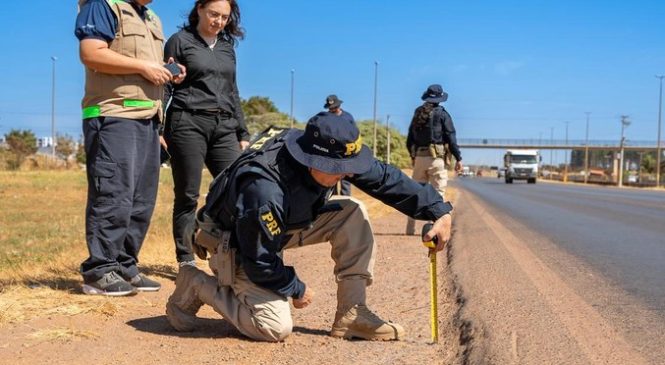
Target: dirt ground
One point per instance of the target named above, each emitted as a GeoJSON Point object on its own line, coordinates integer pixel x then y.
{"type": "Point", "coordinates": [134, 330]}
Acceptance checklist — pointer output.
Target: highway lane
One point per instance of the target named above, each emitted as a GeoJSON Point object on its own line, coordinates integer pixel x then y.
{"type": "Point", "coordinates": [561, 273]}
{"type": "Point", "coordinates": [620, 232]}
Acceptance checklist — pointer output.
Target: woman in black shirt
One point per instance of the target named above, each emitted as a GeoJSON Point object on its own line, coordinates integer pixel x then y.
{"type": "Point", "coordinates": [204, 121]}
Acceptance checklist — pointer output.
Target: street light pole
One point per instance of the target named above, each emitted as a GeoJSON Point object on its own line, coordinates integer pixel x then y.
{"type": "Point", "coordinates": [551, 152]}
{"type": "Point", "coordinates": [565, 166]}
{"type": "Point", "coordinates": [586, 150]}
{"type": "Point", "coordinates": [624, 123]}
{"type": "Point", "coordinates": [53, 58]}
{"type": "Point", "coordinates": [660, 109]}
{"type": "Point", "coordinates": [293, 71]}
{"type": "Point", "coordinates": [388, 139]}
{"type": "Point", "coordinates": [376, 77]}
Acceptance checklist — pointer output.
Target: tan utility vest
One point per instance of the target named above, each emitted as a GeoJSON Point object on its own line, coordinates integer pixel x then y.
{"type": "Point", "coordinates": [127, 96]}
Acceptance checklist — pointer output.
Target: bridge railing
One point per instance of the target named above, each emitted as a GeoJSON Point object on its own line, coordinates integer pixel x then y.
{"type": "Point", "coordinates": [537, 142]}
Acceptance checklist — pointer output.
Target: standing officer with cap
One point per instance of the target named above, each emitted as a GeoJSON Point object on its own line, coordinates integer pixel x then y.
{"type": "Point", "coordinates": [276, 196]}
{"type": "Point", "coordinates": [334, 105]}
{"type": "Point", "coordinates": [430, 142]}
{"type": "Point", "coordinates": [121, 46]}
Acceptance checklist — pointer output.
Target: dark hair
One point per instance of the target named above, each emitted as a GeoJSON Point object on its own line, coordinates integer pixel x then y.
{"type": "Point", "coordinates": [232, 31]}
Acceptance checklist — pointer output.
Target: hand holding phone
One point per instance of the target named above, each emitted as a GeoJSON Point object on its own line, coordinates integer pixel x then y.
{"type": "Point", "coordinates": [173, 68]}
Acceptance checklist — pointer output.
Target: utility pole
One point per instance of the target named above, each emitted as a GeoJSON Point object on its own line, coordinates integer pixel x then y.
{"type": "Point", "coordinates": [624, 123]}
{"type": "Point", "coordinates": [388, 139]}
{"type": "Point", "coordinates": [293, 71]}
{"type": "Point", "coordinates": [551, 152]}
{"type": "Point", "coordinates": [565, 166]}
{"type": "Point", "coordinates": [586, 150]}
{"type": "Point", "coordinates": [376, 78]}
{"type": "Point", "coordinates": [53, 58]}
{"type": "Point", "coordinates": [660, 109]}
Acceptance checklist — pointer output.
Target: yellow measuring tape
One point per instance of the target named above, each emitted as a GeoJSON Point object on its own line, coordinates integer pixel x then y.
{"type": "Point", "coordinates": [434, 307]}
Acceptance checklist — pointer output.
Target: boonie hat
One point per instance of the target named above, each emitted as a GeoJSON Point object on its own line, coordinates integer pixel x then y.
{"type": "Point", "coordinates": [332, 102]}
{"type": "Point", "coordinates": [435, 94]}
{"type": "Point", "coordinates": [330, 143]}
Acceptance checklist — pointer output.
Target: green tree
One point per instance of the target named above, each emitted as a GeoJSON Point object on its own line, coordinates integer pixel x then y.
{"type": "Point", "coordinates": [260, 113]}
{"type": "Point", "coordinates": [649, 163]}
{"type": "Point", "coordinates": [22, 143]}
{"type": "Point", "coordinates": [80, 153]}
{"type": "Point", "coordinates": [399, 156]}
{"type": "Point", "coordinates": [257, 105]}
{"type": "Point", "coordinates": [64, 147]}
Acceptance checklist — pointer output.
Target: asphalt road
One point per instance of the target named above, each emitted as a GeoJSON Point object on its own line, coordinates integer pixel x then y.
{"type": "Point", "coordinates": [620, 232]}
{"type": "Point", "coordinates": [589, 259]}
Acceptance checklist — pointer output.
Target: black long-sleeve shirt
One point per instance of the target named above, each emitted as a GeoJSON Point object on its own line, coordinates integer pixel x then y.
{"type": "Point", "coordinates": [442, 131]}
{"type": "Point", "coordinates": [211, 76]}
{"type": "Point", "coordinates": [267, 208]}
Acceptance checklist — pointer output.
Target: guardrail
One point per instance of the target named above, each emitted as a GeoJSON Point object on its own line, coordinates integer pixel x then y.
{"type": "Point", "coordinates": [556, 144]}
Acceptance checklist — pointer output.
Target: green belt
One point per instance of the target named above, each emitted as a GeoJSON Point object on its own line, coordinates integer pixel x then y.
{"type": "Point", "coordinates": [94, 111]}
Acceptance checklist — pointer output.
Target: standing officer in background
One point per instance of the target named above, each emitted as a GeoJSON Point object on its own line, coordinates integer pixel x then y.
{"type": "Point", "coordinates": [334, 105]}
{"type": "Point", "coordinates": [276, 196]}
{"type": "Point", "coordinates": [430, 142]}
{"type": "Point", "coordinates": [121, 47]}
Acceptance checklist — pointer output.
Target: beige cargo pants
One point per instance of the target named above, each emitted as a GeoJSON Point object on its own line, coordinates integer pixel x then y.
{"type": "Point", "coordinates": [428, 169]}
{"type": "Point", "coordinates": [263, 315]}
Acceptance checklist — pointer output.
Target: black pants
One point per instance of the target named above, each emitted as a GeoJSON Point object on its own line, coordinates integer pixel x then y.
{"type": "Point", "coordinates": [194, 139]}
{"type": "Point", "coordinates": [122, 160]}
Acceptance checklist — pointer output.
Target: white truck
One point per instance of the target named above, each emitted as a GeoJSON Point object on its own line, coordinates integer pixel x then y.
{"type": "Point", "coordinates": [521, 165]}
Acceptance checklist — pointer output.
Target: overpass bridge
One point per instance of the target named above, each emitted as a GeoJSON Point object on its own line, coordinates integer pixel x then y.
{"type": "Point", "coordinates": [571, 144]}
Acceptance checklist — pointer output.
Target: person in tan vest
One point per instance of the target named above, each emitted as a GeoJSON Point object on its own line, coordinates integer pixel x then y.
{"type": "Point", "coordinates": [121, 47]}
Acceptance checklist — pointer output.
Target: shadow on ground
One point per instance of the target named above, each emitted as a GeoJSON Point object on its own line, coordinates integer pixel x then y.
{"type": "Point", "coordinates": [206, 328]}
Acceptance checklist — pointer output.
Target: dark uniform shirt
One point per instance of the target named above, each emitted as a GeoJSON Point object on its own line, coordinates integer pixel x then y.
{"type": "Point", "coordinates": [268, 208]}
{"type": "Point", "coordinates": [442, 131]}
{"type": "Point", "coordinates": [211, 76]}
{"type": "Point", "coordinates": [96, 20]}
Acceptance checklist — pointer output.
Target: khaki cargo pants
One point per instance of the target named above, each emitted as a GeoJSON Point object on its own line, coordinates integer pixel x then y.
{"type": "Point", "coordinates": [428, 169]}
{"type": "Point", "coordinates": [263, 315]}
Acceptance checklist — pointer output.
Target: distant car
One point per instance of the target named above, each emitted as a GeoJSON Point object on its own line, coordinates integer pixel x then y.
{"type": "Point", "coordinates": [501, 173]}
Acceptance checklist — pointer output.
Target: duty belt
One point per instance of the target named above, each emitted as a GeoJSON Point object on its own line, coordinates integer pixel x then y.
{"type": "Point", "coordinates": [221, 112]}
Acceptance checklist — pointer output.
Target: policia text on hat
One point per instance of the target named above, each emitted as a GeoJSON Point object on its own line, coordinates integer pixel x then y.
{"type": "Point", "coordinates": [276, 196]}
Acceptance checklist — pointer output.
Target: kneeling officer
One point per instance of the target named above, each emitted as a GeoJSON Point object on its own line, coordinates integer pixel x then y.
{"type": "Point", "coordinates": [276, 196]}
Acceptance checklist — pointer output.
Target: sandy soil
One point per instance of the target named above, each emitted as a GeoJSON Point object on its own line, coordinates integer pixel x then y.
{"type": "Point", "coordinates": [134, 330]}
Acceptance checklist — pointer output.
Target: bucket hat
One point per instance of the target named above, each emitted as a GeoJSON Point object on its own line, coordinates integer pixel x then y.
{"type": "Point", "coordinates": [332, 101]}
{"type": "Point", "coordinates": [435, 94]}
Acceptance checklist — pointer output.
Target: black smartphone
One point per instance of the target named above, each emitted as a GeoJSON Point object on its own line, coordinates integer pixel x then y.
{"type": "Point", "coordinates": [173, 68]}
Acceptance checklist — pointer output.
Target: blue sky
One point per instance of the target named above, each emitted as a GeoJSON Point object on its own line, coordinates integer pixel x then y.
{"type": "Point", "coordinates": [513, 69]}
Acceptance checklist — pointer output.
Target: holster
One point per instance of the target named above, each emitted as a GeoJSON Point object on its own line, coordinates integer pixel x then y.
{"type": "Point", "coordinates": [210, 238]}
{"type": "Point", "coordinates": [225, 261]}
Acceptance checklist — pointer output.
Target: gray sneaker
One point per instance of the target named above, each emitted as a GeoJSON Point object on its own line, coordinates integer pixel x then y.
{"type": "Point", "coordinates": [143, 283]}
{"type": "Point", "coordinates": [111, 284]}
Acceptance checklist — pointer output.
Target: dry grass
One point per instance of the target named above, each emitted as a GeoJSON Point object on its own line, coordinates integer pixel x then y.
{"type": "Point", "coordinates": [61, 335]}
{"type": "Point", "coordinates": [42, 245]}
